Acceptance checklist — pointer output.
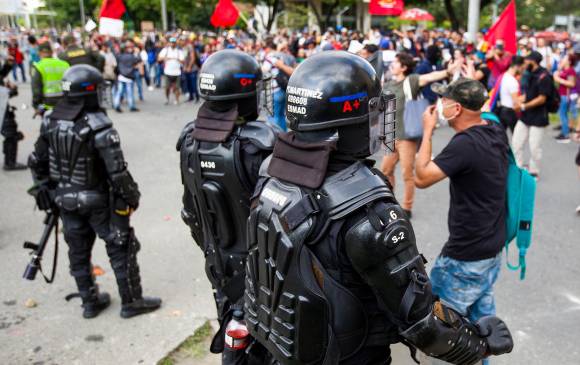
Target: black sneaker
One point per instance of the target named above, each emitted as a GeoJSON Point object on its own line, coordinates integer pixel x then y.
{"type": "Point", "coordinates": [118, 110]}
{"type": "Point", "coordinates": [560, 138]}
{"type": "Point", "coordinates": [558, 128]}
{"type": "Point", "coordinates": [134, 109]}
{"type": "Point", "coordinates": [408, 213]}
{"type": "Point", "coordinates": [140, 306]}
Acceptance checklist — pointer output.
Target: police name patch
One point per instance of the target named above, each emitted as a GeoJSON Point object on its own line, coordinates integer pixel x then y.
{"type": "Point", "coordinates": [206, 82]}
{"type": "Point", "coordinates": [274, 196]}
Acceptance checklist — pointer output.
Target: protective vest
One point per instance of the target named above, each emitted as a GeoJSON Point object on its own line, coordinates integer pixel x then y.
{"type": "Point", "coordinates": [52, 71]}
{"type": "Point", "coordinates": [77, 56]}
{"type": "Point", "coordinates": [294, 306]}
{"type": "Point", "coordinates": [74, 160]}
{"type": "Point", "coordinates": [214, 174]}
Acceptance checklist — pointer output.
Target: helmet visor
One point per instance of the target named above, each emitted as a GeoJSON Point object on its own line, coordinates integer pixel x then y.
{"type": "Point", "coordinates": [264, 96]}
{"type": "Point", "coordinates": [105, 95]}
{"type": "Point", "coordinates": [382, 124]}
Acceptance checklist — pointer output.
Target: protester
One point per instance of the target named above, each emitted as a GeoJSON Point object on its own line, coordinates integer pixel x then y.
{"type": "Point", "coordinates": [509, 94]}
{"type": "Point", "coordinates": [406, 145]}
{"type": "Point", "coordinates": [500, 59]}
{"type": "Point", "coordinates": [126, 63]}
{"type": "Point", "coordinates": [475, 161]}
{"type": "Point", "coordinates": [190, 70]}
{"type": "Point", "coordinates": [534, 120]}
{"type": "Point", "coordinates": [278, 66]}
{"type": "Point", "coordinates": [14, 51]}
{"type": "Point", "coordinates": [172, 58]}
{"type": "Point", "coordinates": [566, 79]}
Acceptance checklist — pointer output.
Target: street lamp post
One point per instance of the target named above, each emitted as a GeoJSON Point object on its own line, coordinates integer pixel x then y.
{"type": "Point", "coordinates": [83, 20]}
{"type": "Point", "coordinates": [473, 19]}
{"type": "Point", "coordinates": [164, 15]}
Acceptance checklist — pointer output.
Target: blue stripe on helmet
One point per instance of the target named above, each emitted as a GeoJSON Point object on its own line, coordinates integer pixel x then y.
{"type": "Point", "coordinates": [244, 76]}
{"type": "Point", "coordinates": [340, 99]}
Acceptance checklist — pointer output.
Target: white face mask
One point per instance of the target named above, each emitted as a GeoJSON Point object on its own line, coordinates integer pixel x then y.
{"type": "Point", "coordinates": [440, 108]}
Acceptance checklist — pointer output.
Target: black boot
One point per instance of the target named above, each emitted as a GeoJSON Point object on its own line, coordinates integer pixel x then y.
{"type": "Point", "coordinates": [10, 152]}
{"type": "Point", "coordinates": [94, 302]}
{"type": "Point", "coordinates": [140, 306]}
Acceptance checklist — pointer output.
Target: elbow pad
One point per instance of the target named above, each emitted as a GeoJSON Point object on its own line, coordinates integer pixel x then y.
{"type": "Point", "coordinates": [447, 336]}
{"type": "Point", "coordinates": [108, 143]}
{"type": "Point", "coordinates": [382, 249]}
{"type": "Point", "coordinates": [126, 187]}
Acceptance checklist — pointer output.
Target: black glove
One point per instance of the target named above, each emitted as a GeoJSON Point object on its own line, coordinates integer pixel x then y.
{"type": "Point", "coordinates": [496, 333]}
{"type": "Point", "coordinates": [43, 199]}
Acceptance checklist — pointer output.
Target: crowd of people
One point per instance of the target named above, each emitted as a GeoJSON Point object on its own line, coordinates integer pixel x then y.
{"type": "Point", "coordinates": [436, 77]}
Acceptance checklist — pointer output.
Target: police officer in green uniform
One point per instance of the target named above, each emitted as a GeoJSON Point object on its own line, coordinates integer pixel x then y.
{"type": "Point", "coordinates": [46, 79]}
{"type": "Point", "coordinates": [75, 55]}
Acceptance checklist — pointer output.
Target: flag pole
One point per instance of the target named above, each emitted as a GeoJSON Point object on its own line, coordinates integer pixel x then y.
{"type": "Point", "coordinates": [473, 19]}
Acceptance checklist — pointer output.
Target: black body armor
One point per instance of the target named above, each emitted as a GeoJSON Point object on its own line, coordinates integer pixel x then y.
{"type": "Point", "coordinates": [291, 285]}
{"type": "Point", "coordinates": [218, 191]}
{"type": "Point", "coordinates": [85, 160]}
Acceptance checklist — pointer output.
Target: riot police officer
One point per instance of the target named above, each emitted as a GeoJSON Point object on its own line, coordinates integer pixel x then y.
{"type": "Point", "coordinates": [79, 165]}
{"type": "Point", "coordinates": [8, 125]}
{"type": "Point", "coordinates": [333, 272]}
{"type": "Point", "coordinates": [221, 153]}
{"type": "Point", "coordinates": [75, 55]}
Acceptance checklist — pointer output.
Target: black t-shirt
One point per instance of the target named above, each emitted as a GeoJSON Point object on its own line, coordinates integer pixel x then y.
{"type": "Point", "coordinates": [539, 83]}
{"type": "Point", "coordinates": [476, 162]}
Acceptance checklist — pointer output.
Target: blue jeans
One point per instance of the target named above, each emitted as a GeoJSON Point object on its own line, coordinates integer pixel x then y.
{"type": "Point", "coordinates": [124, 89]}
{"type": "Point", "coordinates": [17, 66]}
{"type": "Point", "coordinates": [466, 286]}
{"type": "Point", "coordinates": [567, 106]}
{"type": "Point", "coordinates": [191, 84]}
{"type": "Point", "coordinates": [139, 82]}
{"type": "Point", "coordinates": [158, 74]}
{"type": "Point", "coordinates": [279, 118]}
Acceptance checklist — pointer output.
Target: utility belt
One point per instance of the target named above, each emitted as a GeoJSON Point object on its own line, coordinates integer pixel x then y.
{"type": "Point", "coordinates": [85, 200]}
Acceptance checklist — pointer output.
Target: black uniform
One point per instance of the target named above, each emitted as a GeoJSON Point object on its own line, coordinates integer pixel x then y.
{"type": "Point", "coordinates": [333, 272]}
{"type": "Point", "coordinates": [9, 127]}
{"type": "Point", "coordinates": [221, 153]}
{"type": "Point", "coordinates": [78, 158]}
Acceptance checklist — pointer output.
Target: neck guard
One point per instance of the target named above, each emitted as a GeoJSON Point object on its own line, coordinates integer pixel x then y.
{"type": "Point", "coordinates": [298, 162]}
{"type": "Point", "coordinates": [212, 126]}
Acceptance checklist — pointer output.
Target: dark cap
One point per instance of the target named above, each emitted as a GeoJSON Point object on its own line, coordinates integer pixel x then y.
{"type": "Point", "coordinates": [44, 47]}
{"type": "Point", "coordinates": [535, 56]}
{"type": "Point", "coordinates": [471, 94]}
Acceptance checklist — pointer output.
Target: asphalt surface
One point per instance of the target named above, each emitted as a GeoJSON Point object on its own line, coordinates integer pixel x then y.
{"type": "Point", "coordinates": [543, 311]}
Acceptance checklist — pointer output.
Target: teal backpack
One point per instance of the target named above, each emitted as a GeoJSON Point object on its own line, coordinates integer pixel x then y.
{"type": "Point", "coordinates": [520, 195]}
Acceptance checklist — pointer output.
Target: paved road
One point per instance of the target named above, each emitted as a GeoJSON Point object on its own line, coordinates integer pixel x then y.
{"type": "Point", "coordinates": [543, 311]}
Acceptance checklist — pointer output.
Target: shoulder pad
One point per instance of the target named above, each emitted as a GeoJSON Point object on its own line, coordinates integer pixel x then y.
{"type": "Point", "coordinates": [351, 189]}
{"type": "Point", "coordinates": [261, 134]}
{"type": "Point", "coordinates": [98, 121]}
{"type": "Point", "coordinates": [189, 127]}
{"type": "Point", "coordinates": [263, 172]}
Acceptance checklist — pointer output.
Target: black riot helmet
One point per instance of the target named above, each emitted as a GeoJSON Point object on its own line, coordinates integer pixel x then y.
{"type": "Point", "coordinates": [231, 76]}
{"type": "Point", "coordinates": [337, 94]}
{"type": "Point", "coordinates": [87, 83]}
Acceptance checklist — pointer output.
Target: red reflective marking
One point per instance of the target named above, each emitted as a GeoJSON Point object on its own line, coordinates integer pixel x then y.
{"type": "Point", "coordinates": [346, 107]}
{"type": "Point", "coordinates": [356, 104]}
{"type": "Point", "coordinates": [90, 87]}
{"type": "Point", "coordinates": [245, 82]}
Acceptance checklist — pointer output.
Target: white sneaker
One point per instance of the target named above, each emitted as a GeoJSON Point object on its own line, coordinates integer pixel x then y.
{"type": "Point", "coordinates": [150, 88]}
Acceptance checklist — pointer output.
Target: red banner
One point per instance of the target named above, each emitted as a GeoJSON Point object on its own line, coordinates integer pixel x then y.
{"type": "Point", "coordinates": [225, 14]}
{"type": "Point", "coordinates": [113, 9]}
{"type": "Point", "coordinates": [386, 7]}
{"type": "Point", "coordinates": [505, 28]}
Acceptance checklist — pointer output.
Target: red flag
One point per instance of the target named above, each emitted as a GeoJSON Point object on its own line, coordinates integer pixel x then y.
{"type": "Point", "coordinates": [225, 14]}
{"type": "Point", "coordinates": [505, 28]}
{"type": "Point", "coordinates": [113, 9]}
{"type": "Point", "coordinates": [386, 7]}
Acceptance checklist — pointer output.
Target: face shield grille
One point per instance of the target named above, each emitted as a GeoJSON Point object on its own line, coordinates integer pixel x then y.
{"type": "Point", "coordinates": [264, 95]}
{"type": "Point", "coordinates": [382, 123]}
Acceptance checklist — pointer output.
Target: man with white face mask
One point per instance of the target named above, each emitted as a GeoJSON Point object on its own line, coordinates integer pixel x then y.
{"type": "Point", "coordinates": [476, 162]}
